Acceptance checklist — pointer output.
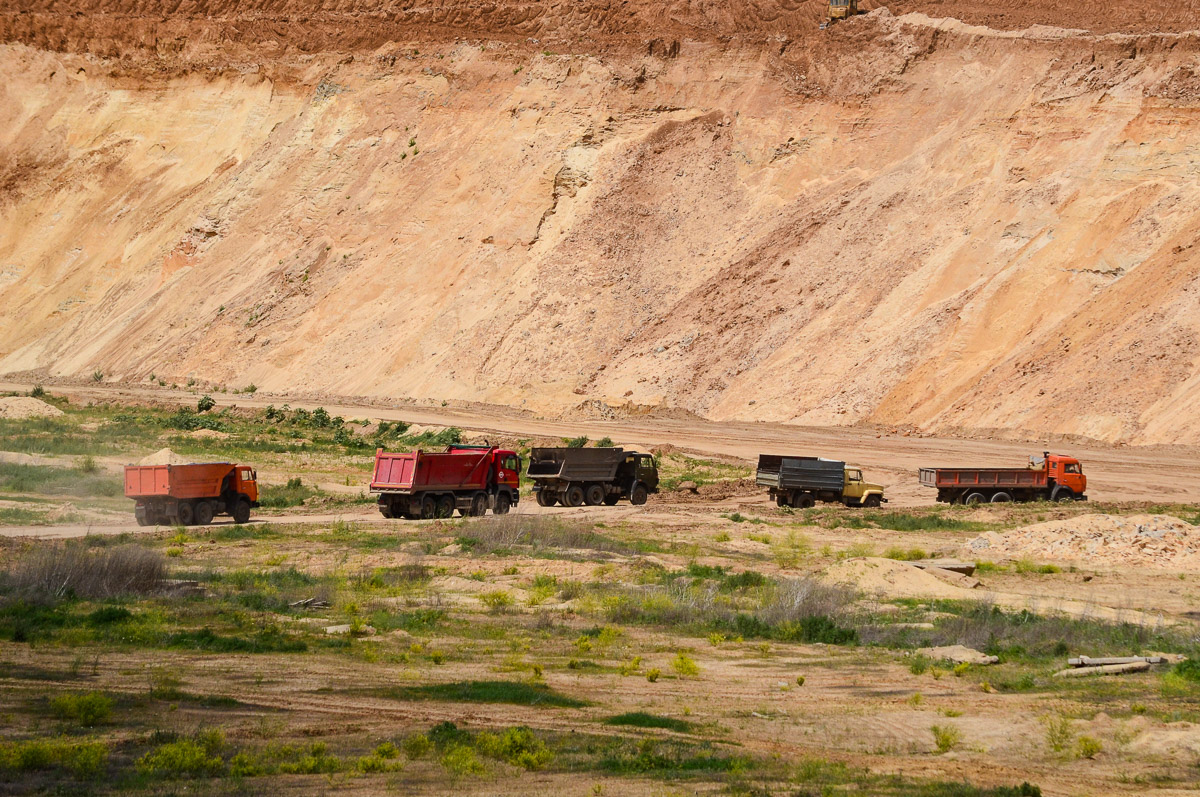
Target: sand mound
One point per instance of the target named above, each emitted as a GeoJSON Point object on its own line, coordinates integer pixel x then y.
{"type": "Point", "coordinates": [1159, 541]}
{"type": "Point", "coordinates": [164, 456]}
{"type": "Point", "coordinates": [893, 579]}
{"type": "Point", "coordinates": [208, 434]}
{"type": "Point", "coordinates": [17, 408]}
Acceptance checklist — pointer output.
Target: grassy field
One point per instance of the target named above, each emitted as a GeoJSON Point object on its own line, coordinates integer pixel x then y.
{"type": "Point", "coordinates": [675, 648]}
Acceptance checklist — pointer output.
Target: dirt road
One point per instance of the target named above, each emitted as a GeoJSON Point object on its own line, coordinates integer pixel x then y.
{"type": "Point", "coordinates": [1115, 473]}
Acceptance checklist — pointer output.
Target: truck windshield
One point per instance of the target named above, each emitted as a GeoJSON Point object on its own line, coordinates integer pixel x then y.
{"type": "Point", "coordinates": [512, 463]}
{"type": "Point", "coordinates": [854, 475]}
{"type": "Point", "coordinates": [1071, 467]}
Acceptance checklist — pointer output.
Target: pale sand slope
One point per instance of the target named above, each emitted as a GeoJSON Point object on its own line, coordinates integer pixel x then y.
{"type": "Point", "coordinates": [903, 221]}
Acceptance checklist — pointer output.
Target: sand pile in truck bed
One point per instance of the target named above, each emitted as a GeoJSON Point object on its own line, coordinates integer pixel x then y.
{"type": "Point", "coordinates": [16, 408]}
{"type": "Point", "coordinates": [1158, 541]}
{"type": "Point", "coordinates": [164, 456]}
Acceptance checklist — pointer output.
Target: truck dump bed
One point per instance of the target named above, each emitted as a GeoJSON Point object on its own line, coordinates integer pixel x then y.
{"type": "Point", "coordinates": [451, 470]}
{"type": "Point", "coordinates": [575, 464]}
{"type": "Point", "coordinates": [200, 480]}
{"type": "Point", "coordinates": [983, 477]}
{"type": "Point", "coordinates": [800, 473]}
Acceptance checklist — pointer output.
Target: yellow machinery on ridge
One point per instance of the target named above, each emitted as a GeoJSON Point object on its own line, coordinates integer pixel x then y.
{"type": "Point", "coordinates": [840, 9]}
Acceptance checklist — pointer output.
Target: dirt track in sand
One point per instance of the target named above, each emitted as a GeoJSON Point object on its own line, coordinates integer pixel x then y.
{"type": "Point", "coordinates": [1122, 473]}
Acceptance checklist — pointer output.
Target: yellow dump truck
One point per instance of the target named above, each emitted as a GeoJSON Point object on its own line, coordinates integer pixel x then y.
{"type": "Point", "coordinates": [802, 481]}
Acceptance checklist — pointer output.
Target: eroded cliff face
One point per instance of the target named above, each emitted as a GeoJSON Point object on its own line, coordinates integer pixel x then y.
{"type": "Point", "coordinates": [901, 220]}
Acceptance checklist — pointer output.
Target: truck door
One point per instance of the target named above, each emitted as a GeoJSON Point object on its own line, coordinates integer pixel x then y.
{"type": "Point", "coordinates": [647, 471]}
{"type": "Point", "coordinates": [854, 484]}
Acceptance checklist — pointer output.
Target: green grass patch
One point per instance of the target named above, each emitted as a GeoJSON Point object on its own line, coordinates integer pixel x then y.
{"type": "Point", "coordinates": [641, 719]}
{"type": "Point", "coordinates": [48, 480]}
{"type": "Point", "coordinates": [518, 693]}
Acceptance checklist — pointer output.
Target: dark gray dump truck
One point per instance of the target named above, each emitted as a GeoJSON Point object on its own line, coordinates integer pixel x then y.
{"type": "Point", "coordinates": [802, 481]}
{"type": "Point", "coordinates": [592, 476]}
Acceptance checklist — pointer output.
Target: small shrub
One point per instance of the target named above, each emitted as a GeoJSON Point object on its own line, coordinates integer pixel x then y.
{"type": "Point", "coordinates": [461, 761]}
{"type": "Point", "coordinates": [919, 665]}
{"type": "Point", "coordinates": [97, 375]}
{"type": "Point", "coordinates": [180, 759]}
{"type": "Point", "coordinates": [88, 710]}
{"type": "Point", "coordinates": [799, 680]}
{"type": "Point", "coordinates": [961, 669]}
{"type": "Point", "coordinates": [1059, 732]}
{"type": "Point", "coordinates": [38, 392]}
{"type": "Point", "coordinates": [945, 738]}
{"type": "Point", "coordinates": [604, 442]}
{"type": "Point", "coordinates": [575, 442]}
{"type": "Point", "coordinates": [685, 666]}
{"type": "Point", "coordinates": [498, 601]}
{"type": "Point", "coordinates": [1088, 747]}
{"type": "Point", "coordinates": [652, 674]}
{"type": "Point", "coordinates": [88, 464]}
{"type": "Point", "coordinates": [416, 746]}
{"type": "Point", "coordinates": [205, 404]}
{"type": "Point", "coordinates": [722, 536]}
{"type": "Point", "coordinates": [632, 666]}
{"type": "Point", "coordinates": [1028, 566]}
{"type": "Point", "coordinates": [517, 746]}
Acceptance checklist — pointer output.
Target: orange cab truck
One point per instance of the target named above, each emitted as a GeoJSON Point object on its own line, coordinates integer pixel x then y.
{"type": "Point", "coordinates": [1050, 478]}
{"type": "Point", "coordinates": [191, 494]}
{"type": "Point", "coordinates": [471, 479]}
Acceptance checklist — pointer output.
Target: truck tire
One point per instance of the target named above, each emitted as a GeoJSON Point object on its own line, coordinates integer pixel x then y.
{"type": "Point", "coordinates": [974, 498]}
{"type": "Point", "coordinates": [502, 504]}
{"type": "Point", "coordinates": [546, 499]}
{"type": "Point", "coordinates": [593, 495]}
{"type": "Point", "coordinates": [871, 502]}
{"type": "Point", "coordinates": [638, 496]}
{"type": "Point", "coordinates": [385, 508]}
{"type": "Point", "coordinates": [572, 496]}
{"type": "Point", "coordinates": [804, 501]}
{"type": "Point", "coordinates": [203, 513]}
{"type": "Point", "coordinates": [184, 514]}
{"type": "Point", "coordinates": [479, 504]}
{"type": "Point", "coordinates": [1001, 498]}
{"type": "Point", "coordinates": [1062, 494]}
{"type": "Point", "coordinates": [445, 506]}
{"type": "Point", "coordinates": [611, 500]}
{"type": "Point", "coordinates": [428, 508]}
{"type": "Point", "coordinates": [241, 511]}
{"type": "Point", "coordinates": [141, 515]}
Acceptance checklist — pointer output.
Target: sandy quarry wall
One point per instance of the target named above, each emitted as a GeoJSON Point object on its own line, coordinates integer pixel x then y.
{"type": "Point", "coordinates": [902, 220]}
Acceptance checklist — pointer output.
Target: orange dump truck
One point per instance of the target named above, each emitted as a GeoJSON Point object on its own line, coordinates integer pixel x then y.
{"type": "Point", "coordinates": [191, 494]}
{"type": "Point", "coordinates": [1051, 477]}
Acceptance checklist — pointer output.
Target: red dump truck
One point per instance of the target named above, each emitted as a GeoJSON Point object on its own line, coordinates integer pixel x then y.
{"type": "Point", "coordinates": [471, 479]}
{"type": "Point", "coordinates": [1050, 477]}
{"type": "Point", "coordinates": [191, 494]}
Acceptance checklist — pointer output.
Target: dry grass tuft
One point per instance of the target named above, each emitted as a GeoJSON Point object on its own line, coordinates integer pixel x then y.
{"type": "Point", "coordinates": [73, 570]}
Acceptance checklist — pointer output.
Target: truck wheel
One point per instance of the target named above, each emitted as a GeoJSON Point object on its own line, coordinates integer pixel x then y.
{"type": "Point", "coordinates": [479, 505]}
{"type": "Point", "coordinates": [594, 495]}
{"type": "Point", "coordinates": [611, 500]}
{"type": "Point", "coordinates": [428, 508]}
{"type": "Point", "coordinates": [804, 502]}
{"type": "Point", "coordinates": [445, 506]}
{"type": "Point", "coordinates": [385, 509]}
{"type": "Point", "coordinates": [871, 502]}
{"type": "Point", "coordinates": [1062, 495]}
{"type": "Point", "coordinates": [1001, 498]}
{"type": "Point", "coordinates": [638, 496]}
{"type": "Point", "coordinates": [974, 498]}
{"type": "Point", "coordinates": [572, 496]}
{"type": "Point", "coordinates": [203, 514]}
{"type": "Point", "coordinates": [502, 504]}
{"type": "Point", "coordinates": [241, 511]}
{"type": "Point", "coordinates": [141, 516]}
{"type": "Point", "coordinates": [184, 513]}
{"type": "Point", "coordinates": [546, 499]}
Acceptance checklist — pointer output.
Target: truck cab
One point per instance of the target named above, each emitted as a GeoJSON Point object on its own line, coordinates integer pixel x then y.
{"type": "Point", "coordinates": [245, 482]}
{"type": "Point", "coordinates": [1065, 473]}
{"type": "Point", "coordinates": [858, 492]}
{"type": "Point", "coordinates": [506, 465]}
{"type": "Point", "coordinates": [642, 469]}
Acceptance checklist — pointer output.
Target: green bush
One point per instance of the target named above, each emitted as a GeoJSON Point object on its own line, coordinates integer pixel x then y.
{"type": "Point", "coordinates": [183, 758]}
{"type": "Point", "coordinates": [604, 442]}
{"type": "Point", "coordinates": [416, 746]}
{"type": "Point", "coordinates": [575, 442]}
{"type": "Point", "coordinates": [461, 760]}
{"type": "Point", "coordinates": [517, 746]}
{"type": "Point", "coordinates": [946, 738]}
{"type": "Point", "coordinates": [83, 759]}
{"type": "Point", "coordinates": [88, 710]}
{"type": "Point", "coordinates": [685, 666]}
{"type": "Point", "coordinates": [205, 404]}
